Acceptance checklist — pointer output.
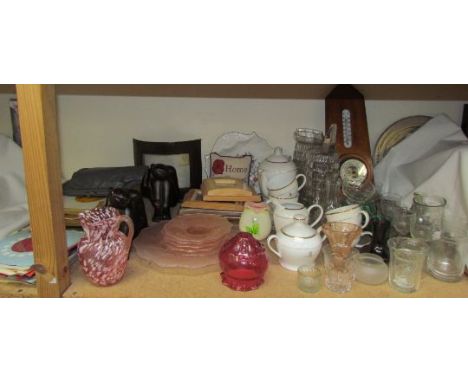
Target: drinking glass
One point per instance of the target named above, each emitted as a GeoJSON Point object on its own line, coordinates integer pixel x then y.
{"type": "Point", "coordinates": [426, 224]}
{"type": "Point", "coordinates": [339, 269]}
{"type": "Point", "coordinates": [407, 257]}
{"type": "Point", "coordinates": [388, 203]}
{"type": "Point", "coordinates": [309, 278]}
{"type": "Point", "coordinates": [401, 220]}
{"type": "Point", "coordinates": [446, 261]}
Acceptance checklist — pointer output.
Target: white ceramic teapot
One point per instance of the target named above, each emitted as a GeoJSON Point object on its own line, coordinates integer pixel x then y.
{"type": "Point", "coordinates": [298, 244]}
{"type": "Point", "coordinates": [284, 213]}
{"type": "Point", "coordinates": [276, 172]}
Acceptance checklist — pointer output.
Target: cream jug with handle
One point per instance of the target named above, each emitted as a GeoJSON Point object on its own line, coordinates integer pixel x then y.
{"type": "Point", "coordinates": [284, 213]}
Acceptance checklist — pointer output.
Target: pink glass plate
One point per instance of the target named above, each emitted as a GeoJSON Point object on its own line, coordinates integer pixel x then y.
{"type": "Point", "coordinates": [150, 245]}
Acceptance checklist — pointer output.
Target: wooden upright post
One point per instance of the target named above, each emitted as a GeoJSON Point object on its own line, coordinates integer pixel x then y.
{"type": "Point", "coordinates": [41, 152]}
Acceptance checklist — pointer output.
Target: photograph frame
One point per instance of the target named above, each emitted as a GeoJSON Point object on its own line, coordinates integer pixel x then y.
{"type": "Point", "coordinates": [190, 147]}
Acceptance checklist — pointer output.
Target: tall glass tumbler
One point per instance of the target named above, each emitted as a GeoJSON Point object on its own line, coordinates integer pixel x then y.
{"type": "Point", "coordinates": [427, 221]}
{"type": "Point", "coordinates": [407, 258]}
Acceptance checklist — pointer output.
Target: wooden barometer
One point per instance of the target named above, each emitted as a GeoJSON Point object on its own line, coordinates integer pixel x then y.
{"type": "Point", "coordinates": [345, 107]}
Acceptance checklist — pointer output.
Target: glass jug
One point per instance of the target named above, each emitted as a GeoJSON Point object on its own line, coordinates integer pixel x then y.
{"type": "Point", "coordinates": [103, 252]}
{"type": "Point", "coordinates": [427, 221]}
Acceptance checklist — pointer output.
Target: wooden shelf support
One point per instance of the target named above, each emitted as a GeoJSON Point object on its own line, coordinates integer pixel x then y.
{"type": "Point", "coordinates": [41, 152]}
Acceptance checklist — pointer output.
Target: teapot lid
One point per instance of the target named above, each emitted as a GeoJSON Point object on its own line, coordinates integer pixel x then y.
{"type": "Point", "coordinates": [278, 156]}
{"type": "Point", "coordinates": [299, 228]}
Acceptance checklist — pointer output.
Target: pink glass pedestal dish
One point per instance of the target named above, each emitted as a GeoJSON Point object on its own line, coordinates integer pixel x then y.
{"type": "Point", "coordinates": [243, 262]}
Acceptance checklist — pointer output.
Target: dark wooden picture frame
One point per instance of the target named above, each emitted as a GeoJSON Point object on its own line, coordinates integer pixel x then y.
{"type": "Point", "coordinates": [15, 121]}
{"type": "Point", "coordinates": [192, 148]}
{"type": "Point", "coordinates": [464, 124]}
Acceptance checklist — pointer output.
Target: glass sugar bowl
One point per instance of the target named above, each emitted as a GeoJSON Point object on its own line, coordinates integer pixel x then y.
{"type": "Point", "coordinates": [243, 262]}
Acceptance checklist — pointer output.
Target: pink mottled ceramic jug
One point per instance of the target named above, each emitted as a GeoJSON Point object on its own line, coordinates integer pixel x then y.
{"type": "Point", "coordinates": [103, 252]}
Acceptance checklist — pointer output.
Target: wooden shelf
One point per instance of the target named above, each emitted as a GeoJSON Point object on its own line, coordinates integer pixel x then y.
{"type": "Point", "coordinates": [141, 280]}
{"type": "Point", "coordinates": [269, 91]}
{"type": "Point", "coordinates": [17, 290]}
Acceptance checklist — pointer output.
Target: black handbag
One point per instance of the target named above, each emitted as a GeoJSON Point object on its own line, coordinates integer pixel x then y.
{"type": "Point", "coordinates": [98, 181]}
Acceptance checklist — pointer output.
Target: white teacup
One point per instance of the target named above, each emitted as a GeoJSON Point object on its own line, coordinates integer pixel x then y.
{"type": "Point", "coordinates": [350, 214]}
{"type": "Point", "coordinates": [288, 190]}
{"type": "Point", "coordinates": [279, 179]}
{"type": "Point", "coordinates": [289, 199]}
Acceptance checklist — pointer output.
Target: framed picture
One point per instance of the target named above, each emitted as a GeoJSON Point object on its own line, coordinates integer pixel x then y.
{"type": "Point", "coordinates": [15, 121]}
{"type": "Point", "coordinates": [184, 156]}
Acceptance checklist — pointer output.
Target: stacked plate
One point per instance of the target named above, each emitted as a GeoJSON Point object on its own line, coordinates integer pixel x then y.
{"type": "Point", "coordinates": [194, 235]}
{"type": "Point", "coordinates": [187, 241]}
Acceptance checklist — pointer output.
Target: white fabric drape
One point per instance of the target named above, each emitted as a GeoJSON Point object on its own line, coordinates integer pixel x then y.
{"type": "Point", "coordinates": [13, 201]}
{"type": "Point", "coordinates": [433, 160]}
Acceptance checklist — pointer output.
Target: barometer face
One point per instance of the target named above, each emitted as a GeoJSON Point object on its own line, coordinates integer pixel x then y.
{"type": "Point", "coordinates": [353, 171]}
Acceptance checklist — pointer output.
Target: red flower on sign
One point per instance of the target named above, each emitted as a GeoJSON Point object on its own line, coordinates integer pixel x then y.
{"type": "Point", "coordinates": [218, 167]}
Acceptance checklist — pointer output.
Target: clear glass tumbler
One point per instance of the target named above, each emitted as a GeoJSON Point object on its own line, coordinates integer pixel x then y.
{"type": "Point", "coordinates": [427, 221]}
{"type": "Point", "coordinates": [447, 259]}
{"type": "Point", "coordinates": [309, 278]}
{"type": "Point", "coordinates": [339, 270]}
{"type": "Point", "coordinates": [407, 258]}
{"type": "Point", "coordinates": [401, 220]}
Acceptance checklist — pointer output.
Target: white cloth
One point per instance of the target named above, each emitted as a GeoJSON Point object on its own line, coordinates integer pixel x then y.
{"type": "Point", "coordinates": [13, 200]}
{"type": "Point", "coordinates": [433, 160]}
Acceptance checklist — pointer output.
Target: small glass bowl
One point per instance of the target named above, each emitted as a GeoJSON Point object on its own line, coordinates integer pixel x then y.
{"type": "Point", "coordinates": [370, 269]}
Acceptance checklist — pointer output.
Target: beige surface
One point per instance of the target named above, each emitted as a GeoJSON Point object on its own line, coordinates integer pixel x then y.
{"type": "Point", "coordinates": [143, 281]}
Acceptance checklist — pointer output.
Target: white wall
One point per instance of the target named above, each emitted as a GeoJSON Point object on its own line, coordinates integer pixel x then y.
{"type": "Point", "coordinates": [98, 130]}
